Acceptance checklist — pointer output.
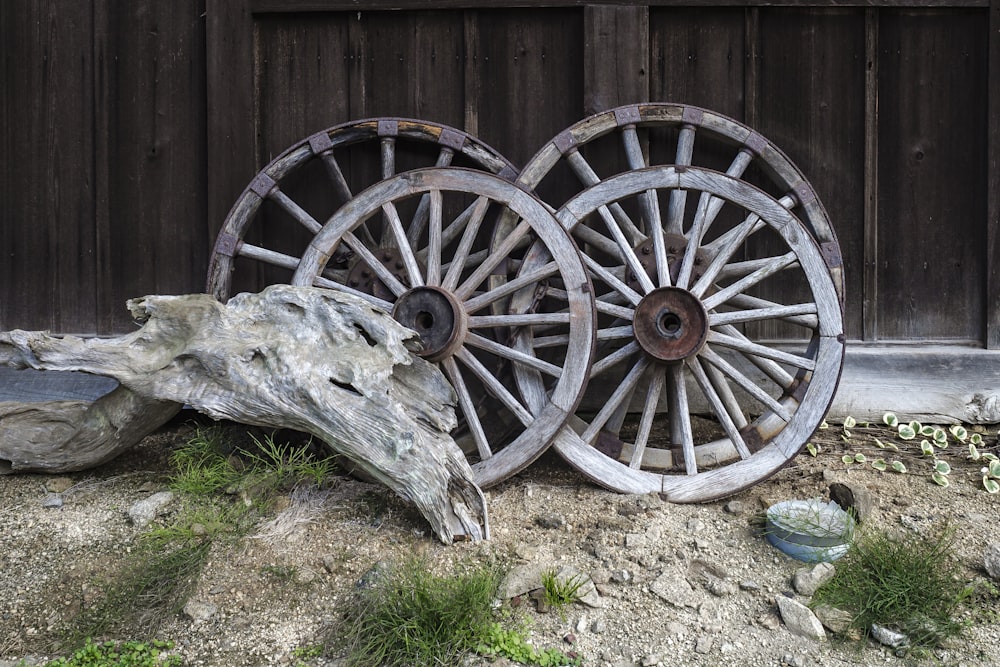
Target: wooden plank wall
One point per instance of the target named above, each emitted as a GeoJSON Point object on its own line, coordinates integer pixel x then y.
{"type": "Point", "coordinates": [103, 188]}
{"type": "Point", "coordinates": [145, 120]}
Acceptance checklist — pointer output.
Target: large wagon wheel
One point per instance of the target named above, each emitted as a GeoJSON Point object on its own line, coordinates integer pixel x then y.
{"type": "Point", "coordinates": [674, 310]}
{"type": "Point", "coordinates": [641, 135]}
{"type": "Point", "coordinates": [437, 281]}
{"type": "Point", "coordinates": [277, 214]}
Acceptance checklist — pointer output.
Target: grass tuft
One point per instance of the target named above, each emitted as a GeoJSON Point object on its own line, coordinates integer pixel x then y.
{"type": "Point", "coordinates": [902, 582]}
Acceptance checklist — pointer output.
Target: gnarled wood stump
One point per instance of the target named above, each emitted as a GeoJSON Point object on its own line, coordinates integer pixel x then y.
{"type": "Point", "coordinates": [313, 360]}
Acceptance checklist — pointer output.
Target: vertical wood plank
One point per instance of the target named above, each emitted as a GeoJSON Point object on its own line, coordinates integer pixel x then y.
{"type": "Point", "coordinates": [992, 179]}
{"type": "Point", "coordinates": [104, 106]}
{"type": "Point", "coordinates": [812, 106]}
{"type": "Point", "coordinates": [869, 301]}
{"type": "Point", "coordinates": [47, 244]}
{"type": "Point", "coordinates": [751, 85]}
{"type": "Point", "coordinates": [932, 180]}
{"type": "Point", "coordinates": [616, 56]}
{"type": "Point", "coordinates": [533, 61]}
{"type": "Point", "coordinates": [472, 84]}
{"type": "Point", "coordinates": [698, 57]}
{"type": "Point", "coordinates": [159, 236]}
{"type": "Point", "coordinates": [231, 134]}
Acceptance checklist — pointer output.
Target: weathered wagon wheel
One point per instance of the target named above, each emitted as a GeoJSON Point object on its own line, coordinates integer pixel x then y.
{"type": "Point", "coordinates": [437, 282]}
{"type": "Point", "coordinates": [641, 135]}
{"type": "Point", "coordinates": [677, 310]}
{"type": "Point", "coordinates": [281, 208]}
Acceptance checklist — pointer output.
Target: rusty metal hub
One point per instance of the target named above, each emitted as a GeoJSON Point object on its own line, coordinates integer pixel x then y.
{"type": "Point", "coordinates": [676, 244]}
{"type": "Point", "coordinates": [436, 316]}
{"type": "Point", "coordinates": [670, 324]}
{"type": "Point", "coordinates": [361, 277]}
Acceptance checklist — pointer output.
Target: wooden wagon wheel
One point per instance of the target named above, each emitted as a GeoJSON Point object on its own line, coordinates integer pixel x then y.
{"type": "Point", "coordinates": [284, 203]}
{"type": "Point", "coordinates": [641, 135]}
{"type": "Point", "coordinates": [437, 282]}
{"type": "Point", "coordinates": [676, 313]}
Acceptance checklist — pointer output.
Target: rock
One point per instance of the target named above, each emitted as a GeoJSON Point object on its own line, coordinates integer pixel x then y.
{"type": "Point", "coordinates": [675, 628]}
{"type": "Point", "coordinates": [853, 498]}
{"type": "Point", "coordinates": [587, 592]}
{"type": "Point", "coordinates": [305, 575]}
{"type": "Point", "coordinates": [675, 590]}
{"type": "Point", "coordinates": [58, 484]}
{"type": "Point", "coordinates": [639, 504]}
{"type": "Point", "coordinates": [720, 587]}
{"type": "Point", "coordinates": [550, 521]}
{"type": "Point", "coordinates": [695, 525]}
{"type": "Point", "coordinates": [144, 511]}
{"type": "Point", "coordinates": [807, 580]}
{"type": "Point", "coordinates": [522, 579]}
{"type": "Point", "coordinates": [199, 612]}
{"type": "Point", "coordinates": [749, 585]}
{"type": "Point", "coordinates": [52, 501]}
{"type": "Point", "coordinates": [991, 560]}
{"type": "Point", "coordinates": [598, 626]}
{"type": "Point", "coordinates": [735, 507]}
{"type": "Point", "coordinates": [652, 660]}
{"type": "Point", "coordinates": [635, 540]}
{"type": "Point", "coordinates": [799, 619]}
{"type": "Point", "coordinates": [835, 620]}
{"type": "Point", "coordinates": [888, 637]}
{"type": "Point", "coordinates": [704, 644]}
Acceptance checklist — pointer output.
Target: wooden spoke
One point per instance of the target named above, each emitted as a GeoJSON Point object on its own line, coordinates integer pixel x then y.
{"type": "Point", "coordinates": [294, 210]}
{"type": "Point", "coordinates": [763, 351]}
{"type": "Point", "coordinates": [508, 288]}
{"type": "Point", "coordinates": [746, 383]}
{"type": "Point", "coordinates": [468, 408]}
{"type": "Point", "coordinates": [625, 250]}
{"type": "Point", "coordinates": [726, 395]}
{"type": "Point", "coordinates": [653, 392]}
{"type": "Point", "coordinates": [320, 281]}
{"type": "Point", "coordinates": [770, 267]}
{"type": "Point", "coordinates": [602, 274]}
{"type": "Point", "coordinates": [614, 359]}
{"type": "Point", "coordinates": [751, 303]}
{"type": "Point", "coordinates": [434, 237]}
{"type": "Point", "coordinates": [268, 256]}
{"type": "Point", "coordinates": [761, 314]}
{"type": "Point", "coordinates": [497, 255]}
{"type": "Point", "coordinates": [388, 154]}
{"type": "Point", "coordinates": [420, 216]}
{"type": "Point", "coordinates": [333, 170]}
{"type": "Point", "coordinates": [471, 231]}
{"type": "Point", "coordinates": [725, 252]}
{"type": "Point", "coordinates": [402, 245]}
{"type": "Point", "coordinates": [680, 418]}
{"type": "Point", "coordinates": [518, 320]}
{"type": "Point", "coordinates": [619, 395]}
{"type": "Point", "coordinates": [495, 387]}
{"type": "Point", "coordinates": [719, 408]}
{"type": "Point", "coordinates": [511, 354]}
{"type": "Point", "coordinates": [678, 198]}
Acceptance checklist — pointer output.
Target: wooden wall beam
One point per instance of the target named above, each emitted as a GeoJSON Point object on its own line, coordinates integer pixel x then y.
{"type": "Point", "coordinates": [992, 181]}
{"type": "Point", "coordinates": [616, 56]}
{"type": "Point", "coordinates": [869, 300]}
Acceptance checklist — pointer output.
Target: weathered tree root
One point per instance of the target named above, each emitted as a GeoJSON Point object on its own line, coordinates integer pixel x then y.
{"type": "Point", "coordinates": [313, 360]}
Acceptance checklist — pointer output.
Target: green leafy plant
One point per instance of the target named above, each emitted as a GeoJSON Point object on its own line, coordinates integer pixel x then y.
{"type": "Point", "coordinates": [124, 654]}
{"type": "Point", "coordinates": [500, 642]}
{"type": "Point", "coordinates": [902, 582]}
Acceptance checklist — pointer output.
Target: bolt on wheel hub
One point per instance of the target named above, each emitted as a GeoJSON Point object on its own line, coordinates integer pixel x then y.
{"type": "Point", "coordinates": [670, 324]}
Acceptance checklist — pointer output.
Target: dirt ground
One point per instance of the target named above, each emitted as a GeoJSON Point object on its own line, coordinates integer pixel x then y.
{"type": "Point", "coordinates": [263, 601]}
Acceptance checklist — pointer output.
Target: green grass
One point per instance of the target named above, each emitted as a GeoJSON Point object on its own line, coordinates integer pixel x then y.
{"type": "Point", "coordinates": [900, 581]}
{"type": "Point", "coordinates": [405, 615]}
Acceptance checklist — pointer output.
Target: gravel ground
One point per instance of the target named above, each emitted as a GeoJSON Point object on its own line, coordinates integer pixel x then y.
{"type": "Point", "coordinates": [677, 585]}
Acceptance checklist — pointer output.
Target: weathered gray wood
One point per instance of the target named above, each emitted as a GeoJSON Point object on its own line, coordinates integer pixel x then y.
{"type": "Point", "coordinates": [316, 361]}
{"type": "Point", "coordinates": [993, 177]}
{"type": "Point", "coordinates": [66, 436]}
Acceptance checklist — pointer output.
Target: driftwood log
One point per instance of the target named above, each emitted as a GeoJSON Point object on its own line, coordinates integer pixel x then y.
{"type": "Point", "coordinates": [313, 360]}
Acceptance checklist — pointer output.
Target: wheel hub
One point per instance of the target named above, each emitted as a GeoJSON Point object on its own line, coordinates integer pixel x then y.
{"type": "Point", "coordinates": [670, 324]}
{"type": "Point", "coordinates": [436, 316]}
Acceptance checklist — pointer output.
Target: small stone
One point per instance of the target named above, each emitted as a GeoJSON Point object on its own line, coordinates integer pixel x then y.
{"type": "Point", "coordinates": [735, 507]}
{"type": "Point", "coordinates": [675, 628]}
{"type": "Point", "coordinates": [799, 619]}
{"type": "Point", "coordinates": [550, 521]}
{"type": "Point", "coordinates": [523, 579]}
{"type": "Point", "coordinates": [569, 638]}
{"type": "Point", "coordinates": [635, 540]}
{"type": "Point", "coordinates": [695, 525]}
{"type": "Point", "coordinates": [621, 576]}
{"type": "Point", "coordinates": [675, 590]}
{"type": "Point", "coordinates": [749, 585]}
{"type": "Point", "coordinates": [888, 637]}
{"type": "Point", "coordinates": [769, 621]}
{"type": "Point", "coordinates": [704, 645]}
{"type": "Point", "coordinates": [807, 580]}
{"type": "Point", "coordinates": [598, 626]}
{"type": "Point", "coordinates": [144, 511]}
{"type": "Point", "coordinates": [581, 624]}
{"type": "Point", "coordinates": [835, 620]}
{"type": "Point", "coordinates": [651, 660]}
{"type": "Point", "coordinates": [720, 587]}
{"type": "Point", "coordinates": [991, 560]}
{"type": "Point", "coordinates": [305, 575]}
{"type": "Point", "coordinates": [52, 501]}
{"type": "Point", "coordinates": [58, 484]}
{"type": "Point", "coordinates": [198, 529]}
{"type": "Point", "coordinates": [199, 612]}
{"type": "Point", "coordinates": [854, 498]}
